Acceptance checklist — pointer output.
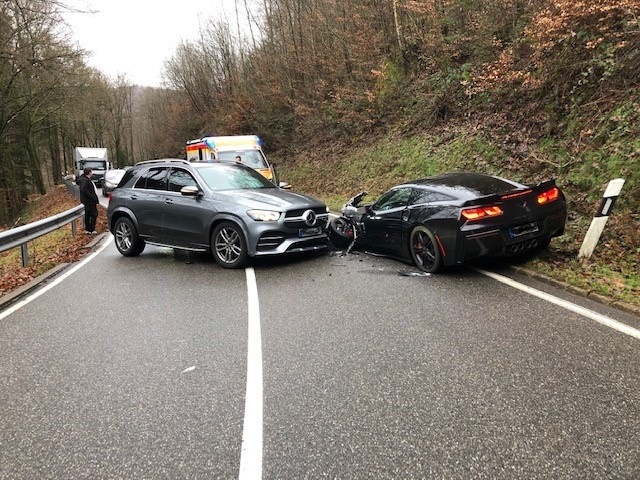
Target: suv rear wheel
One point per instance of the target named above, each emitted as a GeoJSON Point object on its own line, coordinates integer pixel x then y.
{"type": "Point", "coordinates": [128, 242]}
{"type": "Point", "coordinates": [229, 246]}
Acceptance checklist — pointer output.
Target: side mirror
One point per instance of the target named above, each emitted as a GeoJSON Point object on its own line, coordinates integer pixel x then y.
{"type": "Point", "coordinates": [190, 191]}
{"type": "Point", "coordinates": [285, 185]}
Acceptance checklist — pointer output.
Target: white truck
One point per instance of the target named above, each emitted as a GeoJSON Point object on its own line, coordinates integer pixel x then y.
{"type": "Point", "coordinates": [95, 158]}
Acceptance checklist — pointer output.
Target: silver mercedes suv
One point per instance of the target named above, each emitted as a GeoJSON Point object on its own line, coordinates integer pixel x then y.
{"type": "Point", "coordinates": [225, 208]}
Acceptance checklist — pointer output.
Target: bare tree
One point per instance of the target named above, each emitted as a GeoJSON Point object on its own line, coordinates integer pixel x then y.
{"type": "Point", "coordinates": [34, 69]}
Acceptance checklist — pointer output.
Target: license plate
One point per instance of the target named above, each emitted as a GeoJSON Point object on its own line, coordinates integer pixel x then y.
{"type": "Point", "coordinates": [523, 229]}
{"type": "Point", "coordinates": [309, 232]}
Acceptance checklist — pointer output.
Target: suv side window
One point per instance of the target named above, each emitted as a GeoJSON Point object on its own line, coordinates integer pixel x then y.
{"type": "Point", "coordinates": [179, 178]}
{"type": "Point", "coordinates": [153, 179]}
{"type": "Point", "coordinates": [127, 176]}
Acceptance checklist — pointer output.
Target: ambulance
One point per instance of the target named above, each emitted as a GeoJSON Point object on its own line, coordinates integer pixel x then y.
{"type": "Point", "coordinates": [246, 149]}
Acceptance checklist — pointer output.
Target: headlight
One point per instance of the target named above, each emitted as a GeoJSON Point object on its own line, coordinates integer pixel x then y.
{"type": "Point", "coordinates": [264, 215]}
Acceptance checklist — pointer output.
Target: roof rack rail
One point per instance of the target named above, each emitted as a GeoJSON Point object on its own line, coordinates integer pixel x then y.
{"type": "Point", "coordinates": [162, 160]}
{"type": "Point", "coordinates": [217, 160]}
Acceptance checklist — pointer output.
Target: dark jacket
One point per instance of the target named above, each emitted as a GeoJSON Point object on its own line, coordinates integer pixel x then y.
{"type": "Point", "coordinates": [88, 193]}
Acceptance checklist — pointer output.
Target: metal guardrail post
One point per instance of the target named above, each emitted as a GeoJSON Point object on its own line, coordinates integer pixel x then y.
{"type": "Point", "coordinates": [25, 255]}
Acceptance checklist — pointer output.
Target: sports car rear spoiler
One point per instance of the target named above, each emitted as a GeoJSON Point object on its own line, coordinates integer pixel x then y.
{"type": "Point", "coordinates": [516, 192]}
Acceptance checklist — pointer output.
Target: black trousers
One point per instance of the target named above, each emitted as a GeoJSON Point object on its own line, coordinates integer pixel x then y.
{"type": "Point", "coordinates": [90, 216]}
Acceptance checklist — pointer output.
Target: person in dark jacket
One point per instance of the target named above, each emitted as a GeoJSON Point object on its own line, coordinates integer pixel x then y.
{"type": "Point", "coordinates": [89, 198]}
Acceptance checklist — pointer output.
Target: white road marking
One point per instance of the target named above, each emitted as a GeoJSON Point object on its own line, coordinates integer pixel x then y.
{"type": "Point", "coordinates": [251, 455]}
{"type": "Point", "coordinates": [59, 279]}
{"type": "Point", "coordinates": [602, 319]}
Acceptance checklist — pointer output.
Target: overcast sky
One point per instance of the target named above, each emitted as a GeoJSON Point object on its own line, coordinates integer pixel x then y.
{"type": "Point", "coordinates": [134, 37]}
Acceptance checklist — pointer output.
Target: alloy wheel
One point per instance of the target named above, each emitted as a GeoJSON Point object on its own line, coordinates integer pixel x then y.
{"type": "Point", "coordinates": [229, 246]}
{"type": "Point", "coordinates": [123, 236]}
{"type": "Point", "coordinates": [424, 250]}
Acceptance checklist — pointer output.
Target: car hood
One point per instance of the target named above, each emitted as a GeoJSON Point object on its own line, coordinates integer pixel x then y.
{"type": "Point", "coordinates": [273, 198]}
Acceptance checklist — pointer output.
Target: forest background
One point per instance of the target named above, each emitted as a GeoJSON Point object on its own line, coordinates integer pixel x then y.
{"type": "Point", "coordinates": [353, 95]}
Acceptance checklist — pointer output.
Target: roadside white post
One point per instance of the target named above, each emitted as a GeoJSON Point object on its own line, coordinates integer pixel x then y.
{"type": "Point", "coordinates": [600, 220]}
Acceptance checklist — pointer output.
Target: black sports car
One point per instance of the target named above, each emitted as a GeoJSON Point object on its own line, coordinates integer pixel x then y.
{"type": "Point", "coordinates": [448, 219]}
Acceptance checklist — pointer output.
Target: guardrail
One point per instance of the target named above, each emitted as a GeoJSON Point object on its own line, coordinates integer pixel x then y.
{"type": "Point", "coordinates": [71, 186]}
{"type": "Point", "coordinates": [20, 236]}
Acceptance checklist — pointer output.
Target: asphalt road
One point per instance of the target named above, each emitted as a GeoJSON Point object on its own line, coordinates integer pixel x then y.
{"type": "Point", "coordinates": [137, 368]}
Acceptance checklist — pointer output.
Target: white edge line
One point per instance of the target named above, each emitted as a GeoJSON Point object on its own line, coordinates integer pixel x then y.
{"type": "Point", "coordinates": [251, 454]}
{"type": "Point", "coordinates": [602, 319]}
{"type": "Point", "coordinates": [55, 282]}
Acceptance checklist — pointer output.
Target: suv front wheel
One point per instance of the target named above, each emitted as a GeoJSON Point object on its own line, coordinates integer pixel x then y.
{"type": "Point", "coordinates": [228, 245]}
{"type": "Point", "coordinates": [128, 242]}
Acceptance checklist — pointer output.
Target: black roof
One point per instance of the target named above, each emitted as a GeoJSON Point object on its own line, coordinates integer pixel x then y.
{"type": "Point", "coordinates": [467, 185]}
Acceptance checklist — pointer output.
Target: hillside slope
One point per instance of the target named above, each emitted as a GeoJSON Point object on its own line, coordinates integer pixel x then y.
{"type": "Point", "coordinates": [612, 271]}
{"type": "Point", "coordinates": [562, 101]}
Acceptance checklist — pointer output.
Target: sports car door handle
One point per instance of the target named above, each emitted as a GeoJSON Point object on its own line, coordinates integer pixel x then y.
{"type": "Point", "coordinates": [168, 201]}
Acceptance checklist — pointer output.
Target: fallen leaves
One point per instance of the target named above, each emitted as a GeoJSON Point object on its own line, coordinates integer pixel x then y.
{"type": "Point", "coordinates": [50, 250]}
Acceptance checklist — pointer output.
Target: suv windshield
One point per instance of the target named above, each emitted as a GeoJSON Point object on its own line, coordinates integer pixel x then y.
{"type": "Point", "coordinates": [232, 177]}
{"type": "Point", "coordinates": [251, 158]}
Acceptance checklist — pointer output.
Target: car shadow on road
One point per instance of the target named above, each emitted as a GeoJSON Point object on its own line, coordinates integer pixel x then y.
{"type": "Point", "coordinates": [206, 258]}
{"type": "Point", "coordinates": [498, 264]}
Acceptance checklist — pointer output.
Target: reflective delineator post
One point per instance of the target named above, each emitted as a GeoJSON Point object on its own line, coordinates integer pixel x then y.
{"type": "Point", "coordinates": [600, 220]}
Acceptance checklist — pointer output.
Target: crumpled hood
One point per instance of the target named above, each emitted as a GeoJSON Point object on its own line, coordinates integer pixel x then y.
{"type": "Point", "coordinates": [272, 198]}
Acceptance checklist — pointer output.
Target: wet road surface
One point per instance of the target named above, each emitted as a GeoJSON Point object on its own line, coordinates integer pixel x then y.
{"type": "Point", "coordinates": [136, 368]}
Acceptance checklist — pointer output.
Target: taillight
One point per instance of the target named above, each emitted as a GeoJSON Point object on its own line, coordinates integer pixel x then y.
{"type": "Point", "coordinates": [549, 196]}
{"type": "Point", "coordinates": [477, 213]}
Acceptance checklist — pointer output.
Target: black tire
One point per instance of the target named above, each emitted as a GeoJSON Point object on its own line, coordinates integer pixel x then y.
{"type": "Point", "coordinates": [128, 242]}
{"type": "Point", "coordinates": [229, 246]}
{"type": "Point", "coordinates": [340, 232]}
{"type": "Point", "coordinates": [424, 249]}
